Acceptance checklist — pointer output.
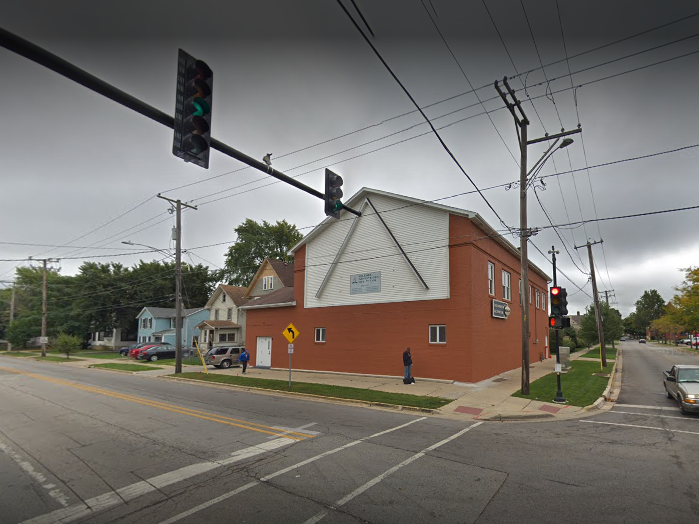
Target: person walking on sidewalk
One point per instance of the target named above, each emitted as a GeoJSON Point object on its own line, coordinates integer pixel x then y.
{"type": "Point", "coordinates": [408, 363]}
{"type": "Point", "coordinates": [244, 359]}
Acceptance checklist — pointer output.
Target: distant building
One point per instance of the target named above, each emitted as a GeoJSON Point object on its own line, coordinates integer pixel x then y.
{"type": "Point", "coordinates": [158, 324]}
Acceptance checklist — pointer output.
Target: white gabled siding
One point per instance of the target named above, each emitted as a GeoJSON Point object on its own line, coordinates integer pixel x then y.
{"type": "Point", "coordinates": [422, 232]}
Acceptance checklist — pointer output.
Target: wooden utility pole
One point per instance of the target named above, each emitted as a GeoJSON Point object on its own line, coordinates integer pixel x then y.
{"type": "Point", "coordinates": [178, 280]}
{"type": "Point", "coordinates": [598, 312]}
{"type": "Point", "coordinates": [606, 297]}
{"type": "Point", "coordinates": [521, 121]}
{"type": "Point", "coordinates": [12, 313]}
{"type": "Point", "coordinates": [44, 305]}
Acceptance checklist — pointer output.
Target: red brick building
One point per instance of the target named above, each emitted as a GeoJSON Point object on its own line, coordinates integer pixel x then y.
{"type": "Point", "coordinates": [406, 273]}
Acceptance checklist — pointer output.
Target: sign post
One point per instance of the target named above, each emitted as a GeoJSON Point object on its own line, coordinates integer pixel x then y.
{"type": "Point", "coordinates": [291, 334]}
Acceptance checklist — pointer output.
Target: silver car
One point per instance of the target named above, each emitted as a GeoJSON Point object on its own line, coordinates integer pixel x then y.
{"type": "Point", "coordinates": [682, 384]}
{"type": "Point", "coordinates": [223, 357]}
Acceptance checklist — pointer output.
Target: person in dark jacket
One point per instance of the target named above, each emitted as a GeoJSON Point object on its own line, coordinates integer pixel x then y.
{"type": "Point", "coordinates": [408, 363]}
{"type": "Point", "coordinates": [244, 359]}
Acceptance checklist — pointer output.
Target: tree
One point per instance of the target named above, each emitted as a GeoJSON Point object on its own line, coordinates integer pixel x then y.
{"type": "Point", "coordinates": [67, 343]}
{"type": "Point", "coordinates": [648, 308]}
{"type": "Point", "coordinates": [611, 324]}
{"type": "Point", "coordinates": [256, 242]}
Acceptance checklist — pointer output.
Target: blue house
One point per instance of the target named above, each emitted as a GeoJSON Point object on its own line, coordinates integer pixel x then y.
{"type": "Point", "coordinates": [157, 324]}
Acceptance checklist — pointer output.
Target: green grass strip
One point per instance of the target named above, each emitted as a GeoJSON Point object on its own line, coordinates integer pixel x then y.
{"type": "Point", "coordinates": [594, 352]}
{"type": "Point", "coordinates": [366, 395]}
{"type": "Point", "coordinates": [16, 354]}
{"type": "Point", "coordinates": [126, 367]}
{"type": "Point", "coordinates": [580, 386]}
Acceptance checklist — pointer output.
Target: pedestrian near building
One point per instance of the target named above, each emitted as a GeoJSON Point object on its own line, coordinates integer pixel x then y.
{"type": "Point", "coordinates": [211, 342]}
{"type": "Point", "coordinates": [408, 364]}
{"type": "Point", "coordinates": [244, 359]}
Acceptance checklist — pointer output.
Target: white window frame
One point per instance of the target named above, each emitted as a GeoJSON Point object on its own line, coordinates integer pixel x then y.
{"type": "Point", "coordinates": [320, 334]}
{"type": "Point", "coordinates": [543, 301]}
{"type": "Point", "coordinates": [506, 285]}
{"type": "Point", "coordinates": [538, 300]}
{"type": "Point", "coordinates": [229, 314]}
{"type": "Point", "coordinates": [440, 330]}
{"type": "Point", "coordinates": [491, 278]}
{"type": "Point", "coordinates": [215, 314]}
{"type": "Point", "coordinates": [223, 297]}
{"type": "Point", "coordinates": [530, 293]}
{"type": "Point", "coordinates": [267, 283]}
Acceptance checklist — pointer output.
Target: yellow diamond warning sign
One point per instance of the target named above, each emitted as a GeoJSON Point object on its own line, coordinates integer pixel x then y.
{"type": "Point", "coordinates": [291, 333]}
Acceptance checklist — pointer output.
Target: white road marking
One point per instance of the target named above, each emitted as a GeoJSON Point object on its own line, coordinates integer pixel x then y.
{"type": "Point", "coordinates": [656, 416]}
{"type": "Point", "coordinates": [286, 431]}
{"type": "Point", "coordinates": [640, 406]}
{"type": "Point", "coordinates": [641, 427]}
{"type": "Point", "coordinates": [225, 496]}
{"type": "Point", "coordinates": [55, 493]}
{"type": "Point", "coordinates": [133, 491]}
{"type": "Point", "coordinates": [361, 489]}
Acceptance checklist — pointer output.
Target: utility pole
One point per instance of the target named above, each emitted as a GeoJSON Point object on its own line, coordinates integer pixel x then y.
{"type": "Point", "coordinates": [44, 305]}
{"type": "Point", "coordinates": [12, 308]}
{"type": "Point", "coordinates": [178, 280]}
{"type": "Point", "coordinates": [559, 394]}
{"type": "Point", "coordinates": [522, 122]}
{"type": "Point", "coordinates": [606, 297]}
{"type": "Point", "coordinates": [598, 312]}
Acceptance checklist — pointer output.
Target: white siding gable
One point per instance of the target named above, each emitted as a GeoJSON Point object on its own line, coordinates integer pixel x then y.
{"type": "Point", "coordinates": [223, 308]}
{"type": "Point", "coordinates": [423, 233]}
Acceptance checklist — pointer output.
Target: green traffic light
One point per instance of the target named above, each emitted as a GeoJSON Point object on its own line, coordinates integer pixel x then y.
{"type": "Point", "coordinates": [337, 205]}
{"type": "Point", "coordinates": [202, 108]}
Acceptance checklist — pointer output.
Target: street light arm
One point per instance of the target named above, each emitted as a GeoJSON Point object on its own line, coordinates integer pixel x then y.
{"type": "Point", "coordinates": [541, 160]}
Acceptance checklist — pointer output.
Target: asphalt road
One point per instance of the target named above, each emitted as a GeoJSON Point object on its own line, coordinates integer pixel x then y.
{"type": "Point", "coordinates": [81, 445]}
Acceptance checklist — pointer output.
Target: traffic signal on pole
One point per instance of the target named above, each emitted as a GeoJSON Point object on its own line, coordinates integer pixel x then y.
{"type": "Point", "coordinates": [555, 322]}
{"type": "Point", "coordinates": [564, 301]}
{"type": "Point", "coordinates": [333, 194]}
{"type": "Point", "coordinates": [555, 301]}
{"type": "Point", "coordinates": [192, 138]}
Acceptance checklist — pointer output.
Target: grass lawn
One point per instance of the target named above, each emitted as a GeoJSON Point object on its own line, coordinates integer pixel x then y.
{"type": "Point", "coordinates": [17, 354]}
{"type": "Point", "coordinates": [580, 386]}
{"type": "Point", "coordinates": [398, 399]}
{"type": "Point", "coordinates": [594, 353]}
{"type": "Point", "coordinates": [106, 355]}
{"type": "Point", "coordinates": [126, 367]}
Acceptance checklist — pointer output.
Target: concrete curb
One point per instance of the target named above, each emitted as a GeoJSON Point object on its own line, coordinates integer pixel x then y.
{"type": "Point", "coordinates": [310, 396]}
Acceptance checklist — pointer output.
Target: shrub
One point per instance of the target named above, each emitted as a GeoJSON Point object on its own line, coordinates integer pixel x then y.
{"type": "Point", "coordinates": [67, 343]}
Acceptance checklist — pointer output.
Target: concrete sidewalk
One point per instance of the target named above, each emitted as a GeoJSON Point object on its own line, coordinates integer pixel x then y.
{"type": "Point", "coordinates": [487, 400]}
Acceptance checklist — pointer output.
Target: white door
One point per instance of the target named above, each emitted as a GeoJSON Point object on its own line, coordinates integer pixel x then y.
{"type": "Point", "coordinates": [264, 352]}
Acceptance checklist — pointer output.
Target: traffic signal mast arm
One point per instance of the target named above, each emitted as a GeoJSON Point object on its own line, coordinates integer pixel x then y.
{"type": "Point", "coordinates": [43, 57]}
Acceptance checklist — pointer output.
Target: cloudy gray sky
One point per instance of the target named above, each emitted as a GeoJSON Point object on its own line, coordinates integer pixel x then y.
{"type": "Point", "coordinates": [80, 172]}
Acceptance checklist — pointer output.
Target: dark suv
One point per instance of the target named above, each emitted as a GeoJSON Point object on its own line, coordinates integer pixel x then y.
{"type": "Point", "coordinates": [223, 357]}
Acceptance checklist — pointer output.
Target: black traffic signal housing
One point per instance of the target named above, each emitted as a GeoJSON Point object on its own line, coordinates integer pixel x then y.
{"type": "Point", "coordinates": [555, 322]}
{"type": "Point", "coordinates": [555, 301]}
{"type": "Point", "coordinates": [333, 194]}
{"type": "Point", "coordinates": [564, 301]}
{"type": "Point", "coordinates": [192, 138]}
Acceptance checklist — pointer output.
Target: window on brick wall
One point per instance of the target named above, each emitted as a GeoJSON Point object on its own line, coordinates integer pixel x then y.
{"type": "Point", "coordinates": [506, 290]}
{"type": "Point", "coordinates": [491, 278]}
{"type": "Point", "coordinates": [320, 334]}
{"type": "Point", "coordinates": [438, 334]}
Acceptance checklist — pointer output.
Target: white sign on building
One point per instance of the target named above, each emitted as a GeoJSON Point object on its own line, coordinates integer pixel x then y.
{"type": "Point", "coordinates": [365, 283]}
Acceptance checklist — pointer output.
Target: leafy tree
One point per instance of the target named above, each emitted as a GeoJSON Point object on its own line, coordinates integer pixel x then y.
{"type": "Point", "coordinates": [630, 325]}
{"type": "Point", "coordinates": [22, 329]}
{"type": "Point", "coordinates": [254, 243]}
{"type": "Point", "coordinates": [611, 324]}
{"type": "Point", "coordinates": [67, 343]}
{"type": "Point", "coordinates": [668, 326]}
{"type": "Point", "coordinates": [648, 308]}
{"type": "Point", "coordinates": [686, 302]}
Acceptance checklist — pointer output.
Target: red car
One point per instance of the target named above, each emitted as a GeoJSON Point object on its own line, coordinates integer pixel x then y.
{"type": "Point", "coordinates": [137, 351]}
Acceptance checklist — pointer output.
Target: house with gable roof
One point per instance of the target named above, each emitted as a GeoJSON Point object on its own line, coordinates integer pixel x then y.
{"type": "Point", "coordinates": [157, 324]}
{"type": "Point", "coordinates": [226, 323]}
{"type": "Point", "coordinates": [406, 273]}
{"type": "Point", "coordinates": [271, 276]}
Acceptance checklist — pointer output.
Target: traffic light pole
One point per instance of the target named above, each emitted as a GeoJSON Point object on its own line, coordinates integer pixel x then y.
{"type": "Point", "coordinates": [559, 394]}
{"type": "Point", "coordinates": [43, 57]}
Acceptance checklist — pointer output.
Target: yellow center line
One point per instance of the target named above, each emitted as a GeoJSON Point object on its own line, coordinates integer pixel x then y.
{"type": "Point", "coordinates": [169, 407]}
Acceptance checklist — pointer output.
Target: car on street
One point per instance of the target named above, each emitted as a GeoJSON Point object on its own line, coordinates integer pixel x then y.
{"type": "Point", "coordinates": [223, 357]}
{"type": "Point", "coordinates": [641, 340]}
{"type": "Point", "coordinates": [622, 339]}
{"type": "Point", "coordinates": [154, 353]}
{"type": "Point", "coordinates": [682, 384]}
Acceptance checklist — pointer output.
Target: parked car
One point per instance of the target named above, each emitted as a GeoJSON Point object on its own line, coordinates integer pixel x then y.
{"type": "Point", "coordinates": [133, 353]}
{"type": "Point", "coordinates": [641, 340]}
{"type": "Point", "coordinates": [154, 353]}
{"type": "Point", "coordinates": [223, 357]}
{"type": "Point", "coordinates": [622, 339]}
{"type": "Point", "coordinates": [124, 352]}
{"type": "Point", "coordinates": [682, 384]}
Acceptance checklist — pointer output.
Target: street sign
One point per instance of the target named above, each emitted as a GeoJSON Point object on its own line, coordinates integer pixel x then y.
{"type": "Point", "coordinates": [500, 309]}
{"type": "Point", "coordinates": [290, 333]}
{"type": "Point", "coordinates": [291, 349]}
